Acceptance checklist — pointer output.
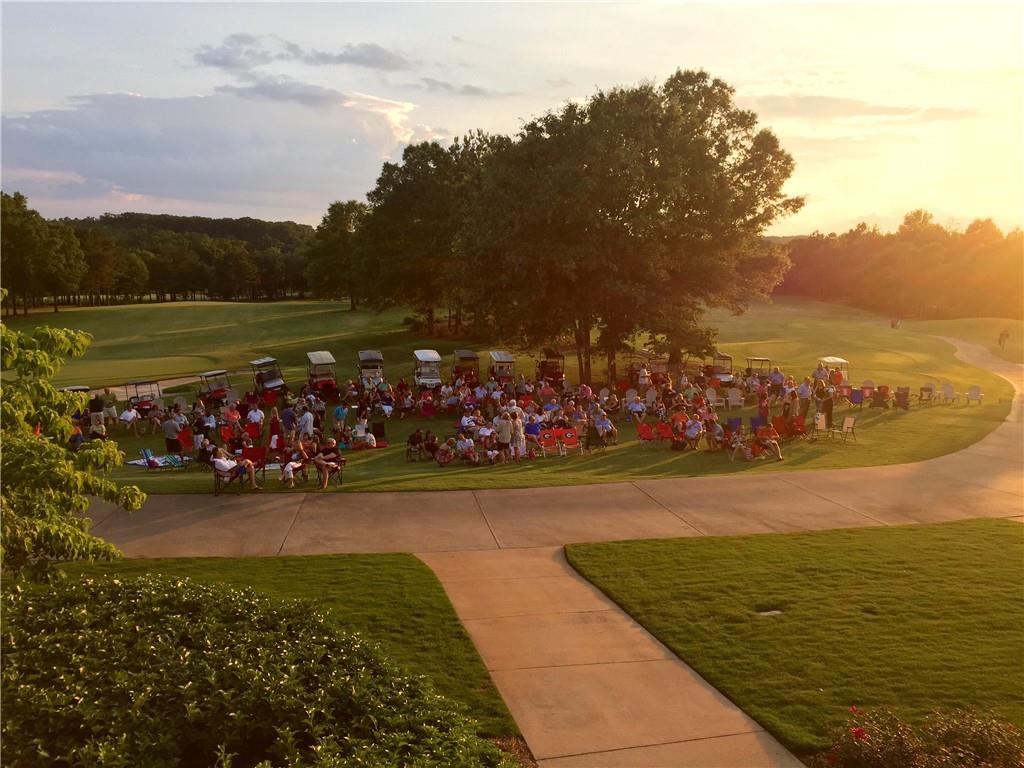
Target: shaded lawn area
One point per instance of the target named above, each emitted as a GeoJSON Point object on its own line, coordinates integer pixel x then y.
{"type": "Point", "coordinates": [980, 330]}
{"type": "Point", "coordinates": [393, 599]}
{"type": "Point", "coordinates": [915, 618]}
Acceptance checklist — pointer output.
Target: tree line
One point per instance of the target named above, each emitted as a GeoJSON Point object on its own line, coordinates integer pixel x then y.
{"type": "Point", "coordinates": [922, 270]}
{"type": "Point", "coordinates": [127, 257]}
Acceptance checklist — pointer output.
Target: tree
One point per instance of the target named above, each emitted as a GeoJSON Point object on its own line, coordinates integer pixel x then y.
{"type": "Point", "coordinates": [45, 486]}
{"type": "Point", "coordinates": [332, 257]}
{"type": "Point", "coordinates": [24, 239]}
{"type": "Point", "coordinates": [636, 210]}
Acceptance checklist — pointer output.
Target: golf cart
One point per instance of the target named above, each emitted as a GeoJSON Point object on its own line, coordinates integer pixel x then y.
{"type": "Point", "coordinates": [760, 367]}
{"type": "Point", "coordinates": [466, 366]}
{"type": "Point", "coordinates": [719, 368]}
{"type": "Point", "coordinates": [837, 363]}
{"type": "Point", "coordinates": [551, 367]}
{"type": "Point", "coordinates": [266, 375]}
{"type": "Point", "coordinates": [427, 368]}
{"type": "Point", "coordinates": [503, 366]}
{"type": "Point", "coordinates": [213, 386]}
{"type": "Point", "coordinates": [370, 367]}
{"type": "Point", "coordinates": [322, 376]}
{"type": "Point", "coordinates": [146, 395]}
{"type": "Point", "coordinates": [75, 388]}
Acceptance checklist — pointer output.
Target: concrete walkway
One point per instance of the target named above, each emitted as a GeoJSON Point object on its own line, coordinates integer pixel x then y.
{"type": "Point", "coordinates": [585, 683]}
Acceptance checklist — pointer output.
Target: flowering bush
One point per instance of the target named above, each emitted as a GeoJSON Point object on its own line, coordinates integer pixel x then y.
{"type": "Point", "coordinates": [959, 739]}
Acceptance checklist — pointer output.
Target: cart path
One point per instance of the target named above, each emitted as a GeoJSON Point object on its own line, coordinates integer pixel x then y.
{"type": "Point", "coordinates": [586, 684]}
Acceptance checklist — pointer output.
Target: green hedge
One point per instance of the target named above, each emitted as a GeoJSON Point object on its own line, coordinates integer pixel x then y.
{"type": "Point", "coordinates": [160, 672]}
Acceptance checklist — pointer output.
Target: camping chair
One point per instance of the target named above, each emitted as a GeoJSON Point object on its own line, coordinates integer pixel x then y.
{"type": "Point", "coordinates": [650, 396]}
{"type": "Point", "coordinates": [856, 397]}
{"type": "Point", "coordinates": [185, 439]}
{"type": "Point", "coordinates": [602, 396]}
{"type": "Point", "coordinates": [413, 452]}
{"type": "Point", "coordinates": [664, 432]}
{"type": "Point", "coordinates": [734, 398]}
{"type": "Point", "coordinates": [713, 398]}
{"type": "Point", "coordinates": [733, 426]}
{"type": "Point", "coordinates": [949, 395]}
{"type": "Point", "coordinates": [779, 422]}
{"type": "Point", "coordinates": [559, 432]}
{"type": "Point", "coordinates": [974, 393]}
{"type": "Point", "coordinates": [645, 434]}
{"type": "Point", "coordinates": [926, 395]}
{"type": "Point", "coordinates": [821, 427]}
{"type": "Point", "coordinates": [595, 440]}
{"type": "Point", "coordinates": [152, 462]}
{"type": "Point", "coordinates": [799, 427]}
{"type": "Point", "coordinates": [570, 441]}
{"type": "Point", "coordinates": [880, 397]}
{"type": "Point", "coordinates": [548, 442]}
{"type": "Point", "coordinates": [269, 398]}
{"type": "Point", "coordinates": [902, 399]}
{"type": "Point", "coordinates": [255, 431]}
{"type": "Point", "coordinates": [258, 456]}
{"type": "Point", "coordinates": [755, 422]}
{"type": "Point", "coordinates": [849, 428]}
{"type": "Point", "coordinates": [222, 480]}
{"type": "Point", "coordinates": [180, 401]}
{"type": "Point", "coordinates": [628, 398]}
{"type": "Point", "coordinates": [227, 433]}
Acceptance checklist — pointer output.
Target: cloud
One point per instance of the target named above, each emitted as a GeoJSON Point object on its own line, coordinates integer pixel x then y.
{"type": "Point", "coordinates": [433, 85]}
{"type": "Point", "coordinates": [241, 53]}
{"type": "Point", "coordinates": [813, 107]}
{"type": "Point", "coordinates": [560, 82]}
{"type": "Point", "coordinates": [276, 88]}
{"type": "Point", "coordinates": [226, 153]}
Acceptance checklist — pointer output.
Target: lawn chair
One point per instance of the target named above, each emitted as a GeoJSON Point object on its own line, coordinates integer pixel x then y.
{"type": "Point", "coordinates": [849, 428]}
{"type": "Point", "coordinates": [180, 401]}
{"type": "Point", "coordinates": [902, 399]}
{"type": "Point", "coordinates": [974, 393]}
{"type": "Point", "coordinates": [255, 431]}
{"type": "Point", "coordinates": [734, 398]}
{"type": "Point", "coordinates": [779, 422]}
{"type": "Point", "coordinates": [664, 432]}
{"type": "Point", "coordinates": [230, 396]}
{"type": "Point", "coordinates": [755, 422]}
{"type": "Point", "coordinates": [258, 457]}
{"type": "Point", "coordinates": [821, 427]}
{"type": "Point", "coordinates": [152, 462]}
{"type": "Point", "coordinates": [269, 398]}
{"type": "Point", "coordinates": [227, 433]}
{"type": "Point", "coordinates": [548, 442]}
{"type": "Point", "coordinates": [185, 440]}
{"type": "Point", "coordinates": [559, 432]}
{"type": "Point", "coordinates": [799, 427]}
{"type": "Point", "coordinates": [949, 395]}
{"type": "Point", "coordinates": [413, 452]}
{"type": "Point", "coordinates": [713, 398]}
{"type": "Point", "coordinates": [856, 398]}
{"type": "Point", "coordinates": [627, 398]}
{"type": "Point", "coordinates": [595, 441]}
{"type": "Point", "coordinates": [222, 480]}
{"type": "Point", "coordinates": [570, 441]}
{"type": "Point", "coordinates": [733, 426]}
{"type": "Point", "coordinates": [645, 434]}
{"type": "Point", "coordinates": [926, 395]}
{"type": "Point", "coordinates": [650, 397]}
{"type": "Point", "coordinates": [602, 396]}
{"type": "Point", "coordinates": [867, 389]}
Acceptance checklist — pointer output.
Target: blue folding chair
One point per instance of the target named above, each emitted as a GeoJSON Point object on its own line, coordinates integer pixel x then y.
{"type": "Point", "coordinates": [755, 422]}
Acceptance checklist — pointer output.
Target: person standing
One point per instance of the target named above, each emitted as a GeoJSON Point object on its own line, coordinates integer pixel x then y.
{"type": "Point", "coordinates": [518, 436]}
{"type": "Point", "coordinates": [503, 429]}
{"type": "Point", "coordinates": [171, 428]}
{"type": "Point", "coordinates": [803, 392]}
{"type": "Point", "coordinates": [109, 406]}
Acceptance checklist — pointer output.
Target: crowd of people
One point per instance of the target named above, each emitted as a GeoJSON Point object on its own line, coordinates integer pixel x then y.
{"type": "Point", "coordinates": [494, 422]}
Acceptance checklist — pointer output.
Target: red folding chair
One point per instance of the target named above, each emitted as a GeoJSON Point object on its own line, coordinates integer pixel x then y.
{"type": "Point", "coordinates": [269, 397]}
{"type": "Point", "coordinates": [227, 433]}
{"type": "Point", "coordinates": [779, 422]}
{"type": "Point", "coordinates": [548, 442]}
{"type": "Point", "coordinates": [255, 431]}
{"type": "Point", "coordinates": [258, 456]}
{"type": "Point", "coordinates": [571, 442]}
{"type": "Point", "coordinates": [799, 427]}
{"type": "Point", "coordinates": [664, 431]}
{"type": "Point", "coordinates": [645, 434]}
{"type": "Point", "coordinates": [185, 438]}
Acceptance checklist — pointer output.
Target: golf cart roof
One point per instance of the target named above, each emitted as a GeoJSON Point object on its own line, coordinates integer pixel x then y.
{"type": "Point", "coordinates": [549, 352]}
{"type": "Point", "coordinates": [75, 388]}
{"type": "Point", "coordinates": [143, 382]}
{"type": "Point", "coordinates": [212, 374]}
{"type": "Point", "coordinates": [370, 356]}
{"type": "Point", "coordinates": [722, 356]}
{"type": "Point", "coordinates": [501, 356]}
{"type": "Point", "coordinates": [833, 361]}
{"type": "Point", "coordinates": [427, 355]}
{"type": "Point", "coordinates": [466, 354]}
{"type": "Point", "coordinates": [759, 360]}
{"type": "Point", "coordinates": [263, 361]}
{"type": "Point", "coordinates": [321, 358]}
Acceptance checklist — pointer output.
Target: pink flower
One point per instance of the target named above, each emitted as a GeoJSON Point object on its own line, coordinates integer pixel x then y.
{"type": "Point", "coordinates": [859, 733]}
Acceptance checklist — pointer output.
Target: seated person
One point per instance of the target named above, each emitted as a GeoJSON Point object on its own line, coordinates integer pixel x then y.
{"type": "Point", "coordinates": [738, 446]}
{"type": "Point", "coordinates": [387, 404]}
{"type": "Point", "coordinates": [466, 449]}
{"type": "Point", "coordinates": [430, 443]}
{"type": "Point", "coordinates": [445, 452]}
{"type": "Point", "coordinates": [77, 439]}
{"type": "Point", "coordinates": [130, 418]}
{"type": "Point", "coordinates": [605, 428]}
{"type": "Point", "coordinates": [239, 467]}
{"type": "Point", "coordinates": [715, 435]}
{"type": "Point", "coordinates": [531, 429]}
{"type": "Point", "coordinates": [768, 439]}
{"type": "Point", "coordinates": [637, 410]}
{"type": "Point", "coordinates": [206, 452]}
{"type": "Point", "coordinates": [414, 443]}
{"type": "Point", "coordinates": [232, 414]}
{"type": "Point", "coordinates": [612, 405]}
{"type": "Point", "coordinates": [406, 405]}
{"type": "Point", "coordinates": [471, 422]}
{"type": "Point", "coordinates": [360, 431]}
{"type": "Point", "coordinates": [293, 459]}
{"type": "Point", "coordinates": [327, 459]}
{"type": "Point", "coordinates": [693, 431]}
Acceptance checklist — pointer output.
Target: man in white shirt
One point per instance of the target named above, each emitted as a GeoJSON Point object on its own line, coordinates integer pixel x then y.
{"type": "Point", "coordinates": [469, 424]}
{"type": "Point", "coordinates": [240, 467]}
{"type": "Point", "coordinates": [306, 422]}
{"type": "Point", "coordinates": [130, 417]}
{"type": "Point", "coordinates": [636, 410]}
{"type": "Point", "coordinates": [255, 415]}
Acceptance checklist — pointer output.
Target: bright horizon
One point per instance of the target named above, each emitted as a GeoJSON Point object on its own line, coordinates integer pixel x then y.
{"type": "Point", "coordinates": [276, 111]}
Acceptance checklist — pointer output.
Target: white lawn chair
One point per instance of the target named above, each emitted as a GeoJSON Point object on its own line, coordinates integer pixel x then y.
{"type": "Point", "coordinates": [602, 396]}
{"type": "Point", "coordinates": [974, 393]}
{"type": "Point", "coordinates": [180, 401]}
{"type": "Point", "coordinates": [821, 427]}
{"type": "Point", "coordinates": [713, 398]}
{"type": "Point", "coordinates": [230, 396]}
{"type": "Point", "coordinates": [650, 397]}
{"type": "Point", "coordinates": [735, 398]}
{"type": "Point", "coordinates": [849, 428]}
{"type": "Point", "coordinates": [949, 395]}
{"type": "Point", "coordinates": [628, 397]}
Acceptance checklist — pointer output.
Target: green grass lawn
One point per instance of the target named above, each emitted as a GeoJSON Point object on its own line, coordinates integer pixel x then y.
{"type": "Point", "coordinates": [981, 330]}
{"type": "Point", "coordinates": [170, 339]}
{"type": "Point", "coordinates": [914, 618]}
{"type": "Point", "coordinates": [393, 599]}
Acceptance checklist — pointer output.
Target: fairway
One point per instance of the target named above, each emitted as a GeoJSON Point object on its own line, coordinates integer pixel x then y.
{"type": "Point", "coordinates": [793, 333]}
{"type": "Point", "coordinates": [797, 628]}
{"type": "Point", "coordinates": [394, 600]}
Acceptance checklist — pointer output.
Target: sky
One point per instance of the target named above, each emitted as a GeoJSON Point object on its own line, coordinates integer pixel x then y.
{"type": "Point", "coordinates": [276, 110]}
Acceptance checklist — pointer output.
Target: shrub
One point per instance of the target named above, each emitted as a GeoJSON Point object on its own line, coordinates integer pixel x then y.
{"type": "Point", "coordinates": [156, 671]}
{"type": "Point", "coordinates": [959, 739]}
